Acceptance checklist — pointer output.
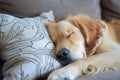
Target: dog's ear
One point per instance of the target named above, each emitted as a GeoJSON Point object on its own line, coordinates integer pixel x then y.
{"type": "Point", "coordinates": [100, 29]}
{"type": "Point", "coordinates": [92, 31]}
{"type": "Point", "coordinates": [51, 29]}
{"type": "Point", "coordinates": [50, 24]}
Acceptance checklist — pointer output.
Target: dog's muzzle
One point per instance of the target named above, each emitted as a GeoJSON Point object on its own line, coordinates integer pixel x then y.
{"type": "Point", "coordinates": [64, 57]}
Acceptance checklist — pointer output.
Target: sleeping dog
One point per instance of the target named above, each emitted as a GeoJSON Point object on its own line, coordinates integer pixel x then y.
{"type": "Point", "coordinates": [85, 46]}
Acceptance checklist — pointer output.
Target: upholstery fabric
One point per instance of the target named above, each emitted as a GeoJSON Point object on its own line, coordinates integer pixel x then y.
{"type": "Point", "coordinates": [26, 47]}
{"type": "Point", "coordinates": [110, 9]}
{"type": "Point", "coordinates": [61, 8]}
{"type": "Point", "coordinates": [103, 76]}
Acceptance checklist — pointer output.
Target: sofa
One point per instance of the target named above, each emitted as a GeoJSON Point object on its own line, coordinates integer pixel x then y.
{"type": "Point", "coordinates": [24, 11]}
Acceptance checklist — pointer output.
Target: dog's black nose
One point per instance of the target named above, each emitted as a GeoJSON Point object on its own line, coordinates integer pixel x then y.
{"type": "Point", "coordinates": [63, 53]}
{"type": "Point", "coordinates": [63, 56]}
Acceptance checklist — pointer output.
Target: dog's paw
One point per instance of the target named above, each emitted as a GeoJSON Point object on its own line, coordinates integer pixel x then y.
{"type": "Point", "coordinates": [60, 75]}
{"type": "Point", "coordinates": [66, 73]}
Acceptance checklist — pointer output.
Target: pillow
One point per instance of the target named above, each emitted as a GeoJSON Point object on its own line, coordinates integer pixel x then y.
{"type": "Point", "coordinates": [26, 47]}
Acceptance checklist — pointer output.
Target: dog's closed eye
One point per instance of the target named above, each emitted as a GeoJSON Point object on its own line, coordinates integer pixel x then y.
{"type": "Point", "coordinates": [69, 35]}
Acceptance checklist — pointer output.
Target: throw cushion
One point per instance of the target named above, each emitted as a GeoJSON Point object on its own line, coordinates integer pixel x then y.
{"type": "Point", "coordinates": [26, 47]}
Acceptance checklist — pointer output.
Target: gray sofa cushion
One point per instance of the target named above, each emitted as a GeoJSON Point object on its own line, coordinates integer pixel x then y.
{"type": "Point", "coordinates": [61, 8]}
{"type": "Point", "coordinates": [103, 76]}
{"type": "Point", "coordinates": [110, 9]}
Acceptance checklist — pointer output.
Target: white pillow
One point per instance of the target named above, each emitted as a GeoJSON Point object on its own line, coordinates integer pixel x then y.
{"type": "Point", "coordinates": [26, 47]}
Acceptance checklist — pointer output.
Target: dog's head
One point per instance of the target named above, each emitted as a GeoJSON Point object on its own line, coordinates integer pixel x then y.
{"type": "Point", "coordinates": [75, 37]}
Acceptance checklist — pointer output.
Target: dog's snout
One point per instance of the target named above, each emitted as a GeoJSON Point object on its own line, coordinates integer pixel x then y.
{"type": "Point", "coordinates": [63, 56]}
{"type": "Point", "coordinates": [63, 53]}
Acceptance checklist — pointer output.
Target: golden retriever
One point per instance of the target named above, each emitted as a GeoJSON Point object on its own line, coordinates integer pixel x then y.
{"type": "Point", "coordinates": [85, 46]}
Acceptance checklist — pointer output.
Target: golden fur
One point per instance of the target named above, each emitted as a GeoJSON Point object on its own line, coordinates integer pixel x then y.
{"type": "Point", "coordinates": [80, 34]}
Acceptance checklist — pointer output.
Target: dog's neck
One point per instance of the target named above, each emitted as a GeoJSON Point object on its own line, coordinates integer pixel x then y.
{"type": "Point", "coordinates": [108, 42]}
